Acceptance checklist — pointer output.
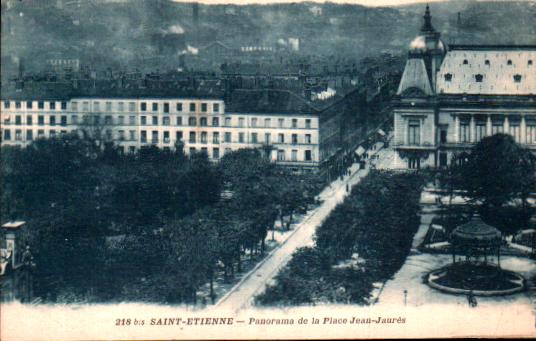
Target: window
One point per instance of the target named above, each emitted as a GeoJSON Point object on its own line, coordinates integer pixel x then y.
{"type": "Point", "coordinates": [143, 136]}
{"type": "Point", "coordinates": [179, 107]}
{"type": "Point", "coordinates": [192, 122]}
{"type": "Point", "coordinates": [121, 120]}
{"type": "Point", "coordinates": [155, 106]}
{"type": "Point", "coordinates": [308, 155]}
{"type": "Point", "coordinates": [192, 107]}
{"type": "Point", "coordinates": [241, 122]}
{"type": "Point", "coordinates": [192, 150]}
{"type": "Point", "coordinates": [267, 138]}
{"type": "Point", "coordinates": [7, 135]}
{"type": "Point", "coordinates": [85, 106]}
{"type": "Point", "coordinates": [166, 137]}
{"type": "Point", "coordinates": [515, 131]}
{"type": "Point", "coordinates": [132, 135]}
{"type": "Point", "coordinates": [96, 106]}
{"type": "Point", "coordinates": [192, 137]}
{"type": "Point", "coordinates": [294, 123]}
{"type": "Point", "coordinates": [7, 104]}
{"type": "Point", "coordinates": [227, 121]}
{"type": "Point", "coordinates": [52, 120]}
{"type": "Point", "coordinates": [204, 150]}
{"type": "Point", "coordinates": [18, 135]}
{"type": "Point", "coordinates": [215, 153]}
{"type": "Point", "coordinates": [215, 137]}
{"type": "Point", "coordinates": [281, 138]}
{"type": "Point", "coordinates": [280, 123]}
{"type": "Point", "coordinates": [143, 120]}
{"type": "Point", "coordinates": [40, 133]}
{"type": "Point", "coordinates": [120, 106]}
{"type": "Point", "coordinates": [531, 133]}
{"type": "Point", "coordinates": [254, 138]}
{"type": "Point", "coordinates": [52, 133]}
{"type": "Point", "coordinates": [121, 135]}
{"type": "Point", "coordinates": [74, 119]}
{"type": "Point", "coordinates": [517, 78]}
{"type": "Point", "coordinates": [131, 149]}
{"type": "Point", "coordinates": [29, 120]}
{"type": "Point", "coordinates": [414, 132]}
{"type": "Point", "coordinates": [132, 120]}
{"type": "Point", "coordinates": [227, 137]}
{"type": "Point", "coordinates": [414, 163]}
{"type": "Point", "coordinates": [216, 107]}
{"type": "Point", "coordinates": [166, 107]}
{"type": "Point", "coordinates": [131, 106]}
{"type": "Point", "coordinates": [529, 62]}
{"type": "Point", "coordinates": [203, 107]}
{"type": "Point", "coordinates": [215, 122]}
{"type": "Point", "coordinates": [154, 136]}
{"type": "Point", "coordinates": [254, 122]}
{"type": "Point", "coordinates": [41, 105]}
{"type": "Point", "coordinates": [63, 120]}
{"type": "Point", "coordinates": [203, 122]}
{"type": "Point", "coordinates": [294, 138]}
{"type": "Point", "coordinates": [143, 106]}
{"type": "Point", "coordinates": [308, 123]}
{"type": "Point", "coordinates": [241, 138]}
{"type": "Point", "coordinates": [29, 135]}
{"type": "Point", "coordinates": [108, 119]}
{"type": "Point", "coordinates": [294, 155]}
{"type": "Point", "coordinates": [280, 155]}
{"type": "Point", "coordinates": [307, 138]}
{"type": "Point", "coordinates": [41, 120]}
{"type": "Point", "coordinates": [17, 105]}
{"type": "Point", "coordinates": [108, 106]}
{"type": "Point", "coordinates": [155, 120]}
{"type": "Point", "coordinates": [29, 104]}
{"type": "Point", "coordinates": [52, 105]}
{"type": "Point", "coordinates": [465, 133]}
{"type": "Point", "coordinates": [448, 77]}
{"type": "Point", "coordinates": [178, 135]}
{"type": "Point", "coordinates": [480, 131]}
{"type": "Point", "coordinates": [479, 78]}
{"type": "Point", "coordinates": [204, 137]}
{"type": "Point", "coordinates": [509, 62]}
{"type": "Point", "coordinates": [486, 62]}
{"type": "Point", "coordinates": [465, 62]}
{"type": "Point", "coordinates": [497, 128]}
{"type": "Point", "coordinates": [165, 121]}
{"type": "Point", "coordinates": [267, 122]}
{"type": "Point", "coordinates": [228, 150]}
{"type": "Point", "coordinates": [18, 120]}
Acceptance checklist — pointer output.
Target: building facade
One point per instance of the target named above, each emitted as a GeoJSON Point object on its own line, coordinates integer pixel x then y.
{"type": "Point", "coordinates": [280, 123]}
{"type": "Point", "coordinates": [450, 97]}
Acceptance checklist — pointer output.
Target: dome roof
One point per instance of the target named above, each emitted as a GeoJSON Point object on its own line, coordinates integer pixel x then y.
{"type": "Point", "coordinates": [418, 45]}
{"type": "Point", "coordinates": [476, 231]}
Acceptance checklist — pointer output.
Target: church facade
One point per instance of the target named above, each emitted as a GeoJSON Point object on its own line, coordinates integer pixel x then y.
{"type": "Point", "coordinates": [450, 97]}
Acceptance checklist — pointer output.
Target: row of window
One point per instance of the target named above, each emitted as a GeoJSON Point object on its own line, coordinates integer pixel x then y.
{"type": "Point", "coordinates": [51, 105]}
{"type": "Point", "coordinates": [155, 107]}
{"type": "Point", "coordinates": [193, 137]}
{"type": "Point", "coordinates": [156, 120]}
{"type": "Point", "coordinates": [487, 62]}
{"type": "Point", "coordinates": [479, 78]}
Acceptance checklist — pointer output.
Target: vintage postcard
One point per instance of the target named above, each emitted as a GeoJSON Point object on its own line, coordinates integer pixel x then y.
{"type": "Point", "coordinates": [267, 169]}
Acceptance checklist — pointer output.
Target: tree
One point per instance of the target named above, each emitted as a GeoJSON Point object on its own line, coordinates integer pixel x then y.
{"type": "Point", "coordinates": [498, 176]}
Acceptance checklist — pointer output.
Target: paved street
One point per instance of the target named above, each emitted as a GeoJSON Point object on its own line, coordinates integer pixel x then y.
{"type": "Point", "coordinates": [242, 294]}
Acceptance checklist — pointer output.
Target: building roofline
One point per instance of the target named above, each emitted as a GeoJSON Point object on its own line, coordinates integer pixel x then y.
{"type": "Point", "coordinates": [490, 47]}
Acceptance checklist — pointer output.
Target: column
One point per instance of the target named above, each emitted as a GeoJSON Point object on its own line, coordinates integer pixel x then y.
{"type": "Point", "coordinates": [523, 128]}
{"type": "Point", "coordinates": [456, 129]}
{"type": "Point", "coordinates": [488, 126]}
{"type": "Point", "coordinates": [472, 129]}
{"type": "Point", "coordinates": [506, 125]}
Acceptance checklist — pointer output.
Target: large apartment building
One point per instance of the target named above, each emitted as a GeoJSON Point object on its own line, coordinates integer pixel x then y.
{"type": "Point", "coordinates": [288, 129]}
{"type": "Point", "coordinates": [450, 97]}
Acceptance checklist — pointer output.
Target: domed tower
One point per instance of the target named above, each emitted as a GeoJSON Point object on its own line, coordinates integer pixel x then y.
{"type": "Point", "coordinates": [426, 48]}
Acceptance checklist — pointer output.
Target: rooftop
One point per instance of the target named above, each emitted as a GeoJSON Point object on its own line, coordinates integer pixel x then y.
{"type": "Point", "coordinates": [268, 101]}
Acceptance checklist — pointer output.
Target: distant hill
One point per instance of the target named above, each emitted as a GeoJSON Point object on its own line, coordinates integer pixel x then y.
{"type": "Point", "coordinates": [151, 33]}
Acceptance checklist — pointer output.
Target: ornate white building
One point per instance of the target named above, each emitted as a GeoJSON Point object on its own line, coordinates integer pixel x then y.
{"type": "Point", "coordinates": [450, 97]}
